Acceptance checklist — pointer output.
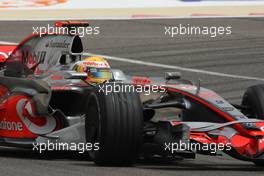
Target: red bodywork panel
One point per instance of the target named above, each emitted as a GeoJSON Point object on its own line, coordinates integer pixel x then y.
{"type": "Point", "coordinates": [18, 119]}
{"type": "Point", "coordinates": [17, 111]}
{"type": "Point", "coordinates": [10, 123]}
{"type": "Point", "coordinates": [5, 51]}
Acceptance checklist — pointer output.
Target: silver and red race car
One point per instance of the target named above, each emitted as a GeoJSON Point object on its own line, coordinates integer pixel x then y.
{"type": "Point", "coordinates": [42, 100]}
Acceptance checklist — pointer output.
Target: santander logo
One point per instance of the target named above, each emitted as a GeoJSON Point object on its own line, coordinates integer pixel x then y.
{"type": "Point", "coordinates": [48, 127]}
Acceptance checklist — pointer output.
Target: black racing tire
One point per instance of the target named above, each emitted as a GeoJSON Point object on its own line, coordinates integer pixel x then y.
{"type": "Point", "coordinates": [115, 121]}
{"type": "Point", "coordinates": [259, 163]}
{"type": "Point", "coordinates": [253, 101]}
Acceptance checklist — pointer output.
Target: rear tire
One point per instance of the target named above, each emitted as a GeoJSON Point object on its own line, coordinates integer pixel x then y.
{"type": "Point", "coordinates": [253, 100]}
{"type": "Point", "coordinates": [115, 121]}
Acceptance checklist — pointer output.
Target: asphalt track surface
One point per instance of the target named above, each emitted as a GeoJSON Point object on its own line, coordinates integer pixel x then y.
{"type": "Point", "coordinates": [241, 53]}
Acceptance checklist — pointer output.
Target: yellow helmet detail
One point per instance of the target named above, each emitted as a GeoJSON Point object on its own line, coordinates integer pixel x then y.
{"type": "Point", "coordinates": [97, 69]}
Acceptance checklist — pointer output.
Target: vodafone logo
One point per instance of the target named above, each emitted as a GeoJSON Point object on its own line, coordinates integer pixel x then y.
{"type": "Point", "coordinates": [48, 127]}
{"type": "Point", "coordinates": [5, 51]}
{"type": "Point", "coordinates": [4, 56]}
{"type": "Point", "coordinates": [261, 141]}
{"type": "Point", "coordinates": [262, 128]}
{"type": "Point", "coordinates": [29, 3]}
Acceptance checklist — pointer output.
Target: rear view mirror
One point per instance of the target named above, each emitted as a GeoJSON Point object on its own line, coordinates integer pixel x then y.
{"type": "Point", "coordinates": [76, 75]}
{"type": "Point", "coordinates": [172, 75]}
{"type": "Point", "coordinates": [118, 75]}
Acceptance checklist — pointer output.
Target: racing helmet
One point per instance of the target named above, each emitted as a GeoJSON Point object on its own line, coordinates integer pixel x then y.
{"type": "Point", "coordinates": [97, 69]}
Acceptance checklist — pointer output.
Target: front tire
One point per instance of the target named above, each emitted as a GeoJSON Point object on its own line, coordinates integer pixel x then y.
{"type": "Point", "coordinates": [115, 121]}
{"type": "Point", "coordinates": [253, 101]}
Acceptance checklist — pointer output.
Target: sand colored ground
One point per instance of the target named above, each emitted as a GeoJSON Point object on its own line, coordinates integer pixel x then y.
{"type": "Point", "coordinates": [133, 12]}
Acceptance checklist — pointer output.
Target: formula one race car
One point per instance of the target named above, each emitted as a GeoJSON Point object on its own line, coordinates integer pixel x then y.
{"type": "Point", "coordinates": [43, 100]}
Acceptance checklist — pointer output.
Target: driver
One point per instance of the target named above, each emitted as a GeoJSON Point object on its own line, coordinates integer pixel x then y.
{"type": "Point", "coordinates": [97, 69]}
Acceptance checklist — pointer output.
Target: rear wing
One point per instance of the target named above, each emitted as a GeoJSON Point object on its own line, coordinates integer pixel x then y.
{"type": "Point", "coordinates": [71, 25]}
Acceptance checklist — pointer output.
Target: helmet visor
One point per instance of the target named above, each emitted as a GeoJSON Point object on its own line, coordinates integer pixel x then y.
{"type": "Point", "coordinates": [99, 73]}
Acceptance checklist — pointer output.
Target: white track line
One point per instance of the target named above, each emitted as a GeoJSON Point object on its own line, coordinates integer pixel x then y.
{"type": "Point", "coordinates": [130, 18]}
{"type": "Point", "coordinates": [177, 67]}
{"type": "Point", "coordinates": [7, 43]}
{"type": "Point", "coordinates": [132, 61]}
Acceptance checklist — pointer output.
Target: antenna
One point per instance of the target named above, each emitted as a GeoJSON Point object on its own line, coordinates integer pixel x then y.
{"type": "Point", "coordinates": [198, 86]}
